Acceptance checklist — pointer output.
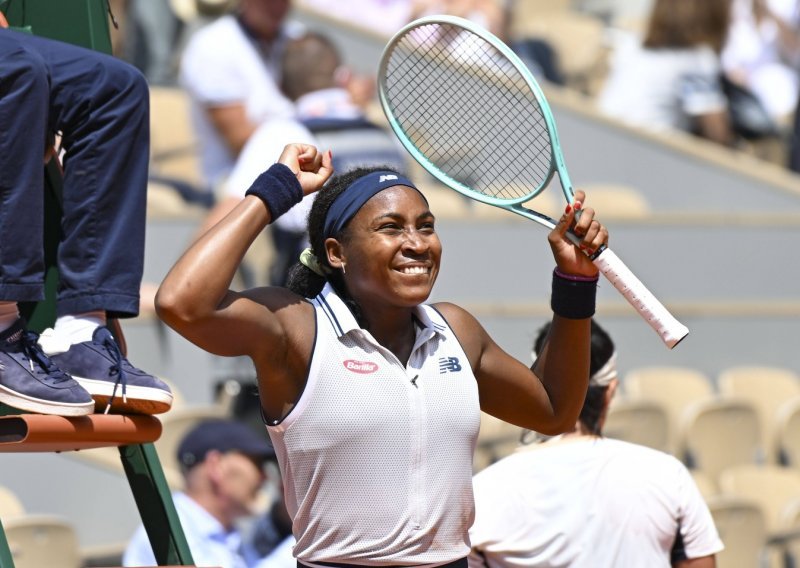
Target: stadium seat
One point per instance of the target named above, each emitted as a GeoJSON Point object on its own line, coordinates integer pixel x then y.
{"type": "Point", "coordinates": [719, 434]}
{"type": "Point", "coordinates": [616, 201]}
{"type": "Point", "coordinates": [708, 487]}
{"type": "Point", "coordinates": [787, 432]}
{"type": "Point", "coordinates": [638, 421]}
{"type": "Point", "coordinates": [775, 489]}
{"type": "Point", "coordinates": [583, 64]}
{"type": "Point", "coordinates": [37, 541]}
{"type": "Point", "coordinates": [767, 388]}
{"type": "Point", "coordinates": [173, 146]}
{"type": "Point", "coordinates": [10, 505]}
{"type": "Point", "coordinates": [672, 387]}
{"type": "Point", "coordinates": [791, 537]}
{"type": "Point", "coordinates": [164, 201]}
{"type": "Point", "coordinates": [743, 530]}
{"type": "Point", "coordinates": [527, 11]}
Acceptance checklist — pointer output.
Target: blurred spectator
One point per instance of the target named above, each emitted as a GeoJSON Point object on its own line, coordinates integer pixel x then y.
{"type": "Point", "coordinates": [490, 14]}
{"type": "Point", "coordinates": [315, 79]}
{"type": "Point", "coordinates": [230, 69]}
{"type": "Point", "coordinates": [386, 17]}
{"type": "Point", "coordinates": [493, 15]}
{"type": "Point", "coordinates": [383, 17]}
{"type": "Point", "coordinates": [671, 79]}
{"type": "Point", "coordinates": [763, 53]}
{"type": "Point", "coordinates": [584, 501]}
{"type": "Point", "coordinates": [319, 83]}
{"type": "Point", "coordinates": [222, 463]}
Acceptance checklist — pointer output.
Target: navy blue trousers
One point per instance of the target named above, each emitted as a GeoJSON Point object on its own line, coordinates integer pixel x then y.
{"type": "Point", "coordinates": [100, 105]}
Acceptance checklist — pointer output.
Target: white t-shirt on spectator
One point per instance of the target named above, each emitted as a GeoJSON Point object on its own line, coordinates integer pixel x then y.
{"type": "Point", "coordinates": [383, 17]}
{"type": "Point", "coordinates": [261, 151]}
{"type": "Point", "coordinates": [661, 89]}
{"type": "Point", "coordinates": [587, 502]}
{"type": "Point", "coordinates": [222, 65]}
{"type": "Point", "coordinates": [753, 55]}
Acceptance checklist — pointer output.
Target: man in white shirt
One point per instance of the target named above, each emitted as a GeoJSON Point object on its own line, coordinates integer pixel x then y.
{"type": "Point", "coordinates": [223, 467]}
{"type": "Point", "coordinates": [321, 87]}
{"type": "Point", "coordinates": [584, 501]}
{"type": "Point", "coordinates": [230, 69]}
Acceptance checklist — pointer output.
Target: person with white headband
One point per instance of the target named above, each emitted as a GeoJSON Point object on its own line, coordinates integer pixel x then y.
{"type": "Point", "coordinates": [580, 500]}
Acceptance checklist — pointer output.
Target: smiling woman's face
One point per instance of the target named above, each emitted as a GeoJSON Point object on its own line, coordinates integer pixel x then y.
{"type": "Point", "coordinates": [391, 251]}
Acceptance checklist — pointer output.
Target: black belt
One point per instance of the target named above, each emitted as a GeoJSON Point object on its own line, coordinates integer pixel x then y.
{"type": "Point", "coordinates": [460, 563]}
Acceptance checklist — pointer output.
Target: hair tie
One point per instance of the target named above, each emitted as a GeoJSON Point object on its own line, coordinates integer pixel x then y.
{"type": "Point", "coordinates": [310, 261]}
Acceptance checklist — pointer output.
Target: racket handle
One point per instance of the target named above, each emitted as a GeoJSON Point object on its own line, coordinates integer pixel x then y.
{"type": "Point", "coordinates": [670, 329]}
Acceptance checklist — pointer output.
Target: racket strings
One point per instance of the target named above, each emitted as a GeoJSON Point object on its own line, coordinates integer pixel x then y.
{"type": "Point", "coordinates": [469, 111]}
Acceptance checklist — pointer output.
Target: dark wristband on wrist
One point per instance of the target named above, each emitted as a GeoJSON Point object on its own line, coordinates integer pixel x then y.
{"type": "Point", "coordinates": [573, 297]}
{"type": "Point", "coordinates": [278, 188]}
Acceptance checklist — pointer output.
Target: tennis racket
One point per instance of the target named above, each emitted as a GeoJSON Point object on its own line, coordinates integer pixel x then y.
{"type": "Point", "coordinates": [470, 112]}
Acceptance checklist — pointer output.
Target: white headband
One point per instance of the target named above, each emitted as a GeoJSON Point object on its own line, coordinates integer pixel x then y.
{"type": "Point", "coordinates": [604, 375]}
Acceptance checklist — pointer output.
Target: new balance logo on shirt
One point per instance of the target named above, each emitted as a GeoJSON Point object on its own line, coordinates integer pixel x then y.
{"type": "Point", "coordinates": [449, 365]}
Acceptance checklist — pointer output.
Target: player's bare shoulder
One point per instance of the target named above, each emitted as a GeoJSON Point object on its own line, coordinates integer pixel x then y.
{"type": "Point", "coordinates": [470, 332]}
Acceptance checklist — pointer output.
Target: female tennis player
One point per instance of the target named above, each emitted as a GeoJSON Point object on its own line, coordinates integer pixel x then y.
{"type": "Point", "coordinates": [372, 398]}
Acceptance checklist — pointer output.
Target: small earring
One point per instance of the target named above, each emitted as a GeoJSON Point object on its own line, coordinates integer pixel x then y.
{"type": "Point", "coordinates": [343, 270]}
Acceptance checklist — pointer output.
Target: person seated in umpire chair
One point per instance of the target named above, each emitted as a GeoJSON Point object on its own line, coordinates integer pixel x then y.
{"type": "Point", "coordinates": [99, 108]}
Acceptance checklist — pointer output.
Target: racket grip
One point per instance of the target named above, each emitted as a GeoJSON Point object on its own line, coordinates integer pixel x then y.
{"type": "Point", "coordinates": [670, 329]}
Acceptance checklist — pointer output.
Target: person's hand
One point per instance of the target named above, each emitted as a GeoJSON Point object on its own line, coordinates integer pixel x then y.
{"type": "Point", "coordinates": [569, 258]}
{"type": "Point", "coordinates": [312, 167]}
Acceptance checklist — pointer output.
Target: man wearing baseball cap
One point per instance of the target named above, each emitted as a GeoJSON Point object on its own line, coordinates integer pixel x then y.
{"type": "Point", "coordinates": [222, 462]}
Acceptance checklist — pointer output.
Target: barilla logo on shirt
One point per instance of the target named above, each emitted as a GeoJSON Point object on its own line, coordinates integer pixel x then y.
{"type": "Point", "coordinates": [363, 367]}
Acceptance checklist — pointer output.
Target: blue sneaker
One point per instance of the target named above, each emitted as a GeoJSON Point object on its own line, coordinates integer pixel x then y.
{"type": "Point", "coordinates": [31, 382]}
{"type": "Point", "coordinates": [115, 384]}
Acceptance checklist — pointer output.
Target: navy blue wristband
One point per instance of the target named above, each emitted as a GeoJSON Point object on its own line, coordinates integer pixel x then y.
{"type": "Point", "coordinates": [573, 297]}
{"type": "Point", "coordinates": [278, 188]}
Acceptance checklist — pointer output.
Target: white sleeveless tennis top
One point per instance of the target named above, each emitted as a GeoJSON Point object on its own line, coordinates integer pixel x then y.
{"type": "Point", "coordinates": [376, 457]}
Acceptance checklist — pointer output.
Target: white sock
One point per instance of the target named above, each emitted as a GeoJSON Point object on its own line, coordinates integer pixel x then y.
{"type": "Point", "coordinates": [77, 328]}
{"type": "Point", "coordinates": [9, 313]}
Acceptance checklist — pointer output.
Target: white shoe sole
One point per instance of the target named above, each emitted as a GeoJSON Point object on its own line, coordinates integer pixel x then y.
{"type": "Point", "coordinates": [140, 400]}
{"type": "Point", "coordinates": [41, 406]}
